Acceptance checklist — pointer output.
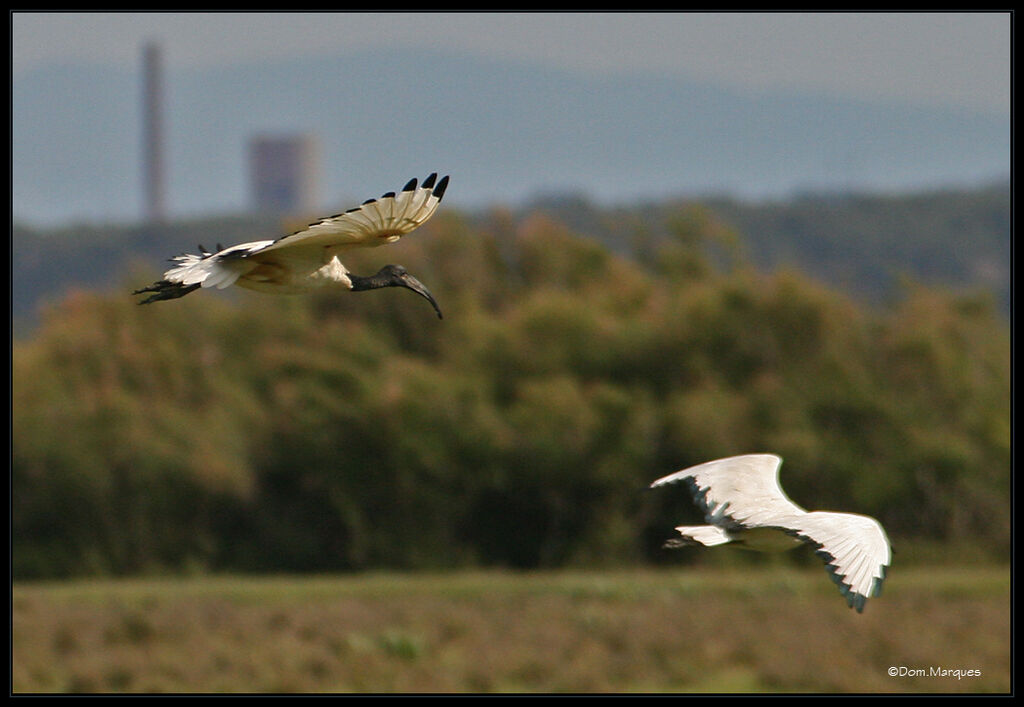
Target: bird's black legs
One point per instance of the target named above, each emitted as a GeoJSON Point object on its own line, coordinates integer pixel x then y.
{"type": "Point", "coordinates": [165, 289]}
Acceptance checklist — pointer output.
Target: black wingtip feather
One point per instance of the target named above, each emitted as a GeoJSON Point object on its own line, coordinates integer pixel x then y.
{"type": "Point", "coordinates": [410, 185]}
{"type": "Point", "coordinates": [440, 188]}
{"type": "Point", "coordinates": [428, 183]}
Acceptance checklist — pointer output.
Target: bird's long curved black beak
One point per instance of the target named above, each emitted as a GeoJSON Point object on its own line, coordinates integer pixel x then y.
{"type": "Point", "coordinates": [408, 281]}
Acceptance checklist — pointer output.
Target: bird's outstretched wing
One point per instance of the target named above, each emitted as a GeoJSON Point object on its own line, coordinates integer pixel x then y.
{"type": "Point", "coordinates": [738, 492]}
{"type": "Point", "coordinates": [855, 550]}
{"type": "Point", "coordinates": [374, 222]}
{"type": "Point", "coordinates": [743, 492]}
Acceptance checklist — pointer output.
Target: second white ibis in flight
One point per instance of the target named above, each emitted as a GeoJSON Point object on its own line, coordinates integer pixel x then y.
{"type": "Point", "coordinates": [743, 503]}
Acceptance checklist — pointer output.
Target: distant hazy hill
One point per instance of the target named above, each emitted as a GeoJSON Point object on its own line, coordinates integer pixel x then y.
{"type": "Point", "coordinates": [505, 131]}
{"type": "Point", "coordinates": [860, 243]}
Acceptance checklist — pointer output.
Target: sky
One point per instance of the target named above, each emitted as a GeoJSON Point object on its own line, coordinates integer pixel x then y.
{"type": "Point", "coordinates": [77, 155]}
{"type": "Point", "coordinates": [941, 59]}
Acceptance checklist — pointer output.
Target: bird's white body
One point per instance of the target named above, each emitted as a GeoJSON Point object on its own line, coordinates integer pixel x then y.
{"type": "Point", "coordinates": [287, 272]}
{"type": "Point", "coordinates": [309, 258]}
{"type": "Point", "coordinates": [743, 502]}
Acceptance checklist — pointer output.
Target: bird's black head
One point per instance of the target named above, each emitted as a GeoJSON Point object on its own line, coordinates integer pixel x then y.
{"type": "Point", "coordinates": [394, 276]}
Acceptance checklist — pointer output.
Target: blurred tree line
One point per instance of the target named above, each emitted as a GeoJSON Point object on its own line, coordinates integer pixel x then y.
{"type": "Point", "coordinates": [861, 243]}
{"type": "Point", "coordinates": [343, 431]}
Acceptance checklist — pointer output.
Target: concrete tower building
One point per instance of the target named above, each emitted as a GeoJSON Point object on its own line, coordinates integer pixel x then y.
{"type": "Point", "coordinates": [283, 173]}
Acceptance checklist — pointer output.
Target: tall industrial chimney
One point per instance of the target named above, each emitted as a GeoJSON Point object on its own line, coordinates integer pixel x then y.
{"type": "Point", "coordinates": [152, 134]}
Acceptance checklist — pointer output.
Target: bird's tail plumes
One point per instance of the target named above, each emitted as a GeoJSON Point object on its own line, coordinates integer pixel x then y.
{"type": "Point", "coordinates": [208, 269]}
{"type": "Point", "coordinates": [707, 535]}
{"type": "Point", "coordinates": [190, 272]}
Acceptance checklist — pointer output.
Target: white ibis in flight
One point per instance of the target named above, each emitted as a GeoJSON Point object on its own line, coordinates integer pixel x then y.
{"type": "Point", "coordinates": [308, 258]}
{"type": "Point", "coordinates": [743, 502]}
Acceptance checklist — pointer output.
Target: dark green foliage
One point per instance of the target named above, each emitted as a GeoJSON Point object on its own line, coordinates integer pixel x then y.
{"type": "Point", "coordinates": [343, 431]}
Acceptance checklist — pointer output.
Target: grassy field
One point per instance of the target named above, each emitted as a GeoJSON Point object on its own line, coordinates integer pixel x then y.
{"type": "Point", "coordinates": [679, 630]}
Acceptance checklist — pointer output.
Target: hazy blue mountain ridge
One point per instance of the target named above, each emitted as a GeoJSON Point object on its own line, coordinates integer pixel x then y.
{"type": "Point", "coordinates": [506, 131]}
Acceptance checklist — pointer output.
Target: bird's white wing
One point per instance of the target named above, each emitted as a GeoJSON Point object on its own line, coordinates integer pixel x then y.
{"type": "Point", "coordinates": [854, 547]}
{"type": "Point", "coordinates": [373, 223]}
{"type": "Point", "coordinates": [739, 492]}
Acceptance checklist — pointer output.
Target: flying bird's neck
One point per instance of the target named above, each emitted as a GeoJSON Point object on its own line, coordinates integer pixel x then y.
{"type": "Point", "coordinates": [381, 279]}
{"type": "Point", "coordinates": [393, 276]}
